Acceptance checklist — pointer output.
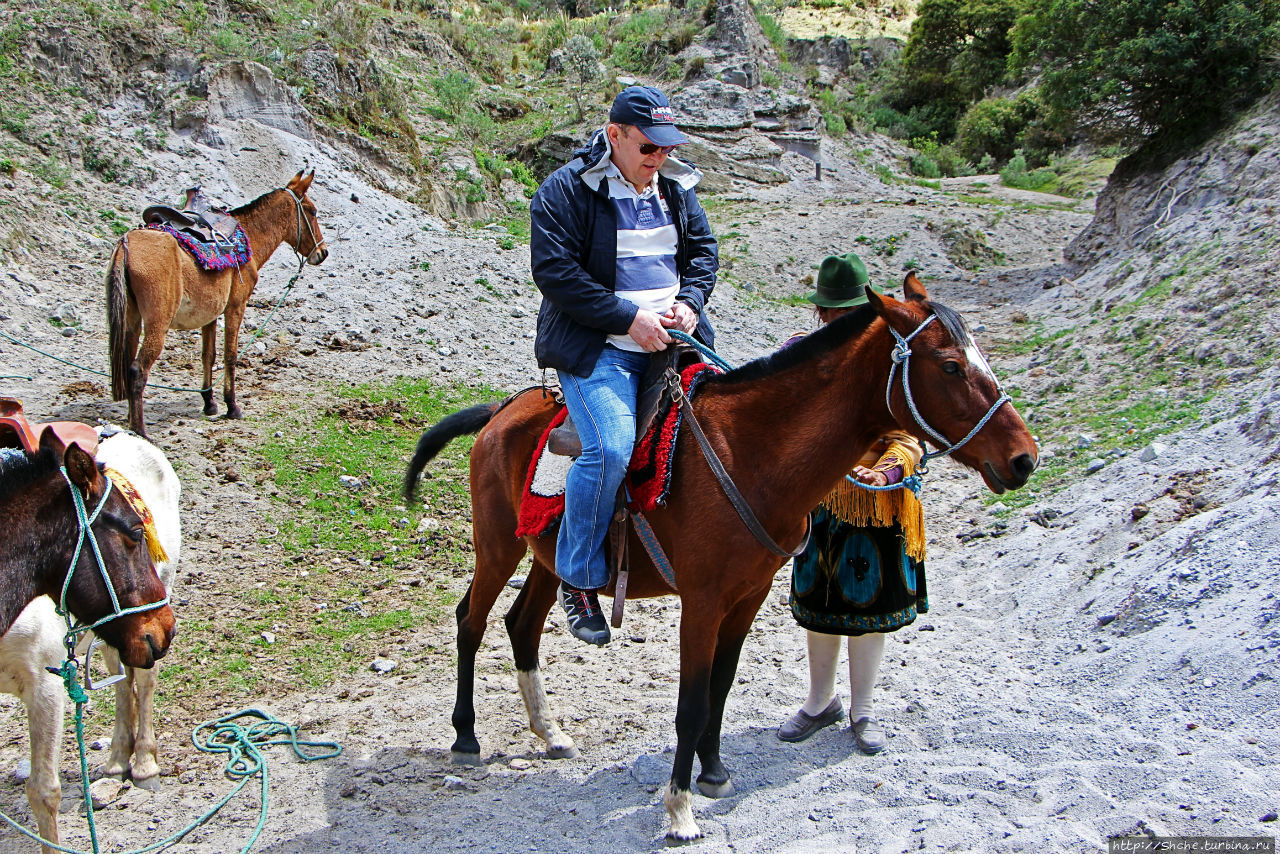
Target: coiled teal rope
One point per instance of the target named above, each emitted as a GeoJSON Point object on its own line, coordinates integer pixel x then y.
{"type": "Point", "coordinates": [242, 744]}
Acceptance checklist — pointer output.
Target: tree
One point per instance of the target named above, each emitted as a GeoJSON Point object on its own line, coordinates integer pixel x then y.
{"type": "Point", "coordinates": [957, 50]}
{"type": "Point", "coordinates": [1129, 71]}
{"type": "Point", "coordinates": [582, 64]}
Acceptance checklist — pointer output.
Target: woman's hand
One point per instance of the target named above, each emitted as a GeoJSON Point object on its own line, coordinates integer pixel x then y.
{"type": "Point", "coordinates": [872, 478]}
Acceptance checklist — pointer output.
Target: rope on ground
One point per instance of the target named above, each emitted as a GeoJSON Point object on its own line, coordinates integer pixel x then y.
{"type": "Point", "coordinates": [242, 743]}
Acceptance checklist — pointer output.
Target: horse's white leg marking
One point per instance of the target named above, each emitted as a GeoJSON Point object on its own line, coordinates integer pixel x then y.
{"type": "Point", "coordinates": [122, 734]}
{"type": "Point", "coordinates": [679, 806]}
{"type": "Point", "coordinates": [559, 745]}
{"type": "Point", "coordinates": [44, 722]}
{"type": "Point", "coordinates": [146, 759]}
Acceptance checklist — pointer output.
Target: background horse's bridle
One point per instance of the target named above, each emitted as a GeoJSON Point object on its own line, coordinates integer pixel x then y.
{"type": "Point", "coordinates": [302, 220]}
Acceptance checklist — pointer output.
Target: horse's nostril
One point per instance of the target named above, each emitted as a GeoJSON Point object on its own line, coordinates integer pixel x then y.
{"type": "Point", "coordinates": [1023, 465]}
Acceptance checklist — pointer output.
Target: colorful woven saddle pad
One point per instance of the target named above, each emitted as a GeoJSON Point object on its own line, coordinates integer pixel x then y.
{"type": "Point", "coordinates": [648, 475]}
{"type": "Point", "coordinates": [218, 255]}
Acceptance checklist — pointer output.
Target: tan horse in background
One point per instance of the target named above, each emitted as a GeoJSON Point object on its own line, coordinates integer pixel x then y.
{"type": "Point", "coordinates": [154, 285]}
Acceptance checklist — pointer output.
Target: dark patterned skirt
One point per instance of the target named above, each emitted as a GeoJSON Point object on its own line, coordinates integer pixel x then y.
{"type": "Point", "coordinates": [853, 581]}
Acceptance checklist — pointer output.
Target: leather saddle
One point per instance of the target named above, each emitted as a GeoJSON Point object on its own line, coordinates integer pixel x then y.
{"type": "Point", "coordinates": [17, 432]}
{"type": "Point", "coordinates": [197, 218]}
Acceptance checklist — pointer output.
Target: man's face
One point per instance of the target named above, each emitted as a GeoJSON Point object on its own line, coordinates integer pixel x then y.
{"type": "Point", "coordinates": [638, 168]}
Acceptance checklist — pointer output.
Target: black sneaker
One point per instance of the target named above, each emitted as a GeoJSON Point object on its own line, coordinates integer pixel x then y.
{"type": "Point", "coordinates": [582, 609]}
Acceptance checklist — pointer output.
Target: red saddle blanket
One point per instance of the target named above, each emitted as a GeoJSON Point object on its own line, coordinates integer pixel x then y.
{"type": "Point", "coordinates": [648, 475]}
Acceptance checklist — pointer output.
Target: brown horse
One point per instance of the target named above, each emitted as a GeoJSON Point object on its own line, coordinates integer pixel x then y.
{"type": "Point", "coordinates": [42, 530]}
{"type": "Point", "coordinates": [787, 428]}
{"type": "Point", "coordinates": [154, 285]}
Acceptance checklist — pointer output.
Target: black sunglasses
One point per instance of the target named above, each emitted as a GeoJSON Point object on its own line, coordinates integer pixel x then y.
{"type": "Point", "coordinates": [647, 148]}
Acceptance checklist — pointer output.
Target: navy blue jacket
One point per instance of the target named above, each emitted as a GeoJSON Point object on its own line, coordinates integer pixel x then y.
{"type": "Point", "coordinates": [574, 249]}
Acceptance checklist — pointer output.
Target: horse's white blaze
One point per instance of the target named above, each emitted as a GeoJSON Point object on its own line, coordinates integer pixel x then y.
{"type": "Point", "coordinates": [975, 357]}
{"type": "Point", "coordinates": [540, 718]}
{"type": "Point", "coordinates": [679, 806]}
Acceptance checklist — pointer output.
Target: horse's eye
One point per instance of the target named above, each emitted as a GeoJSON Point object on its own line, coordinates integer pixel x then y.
{"type": "Point", "coordinates": [137, 533]}
{"type": "Point", "coordinates": [951, 367]}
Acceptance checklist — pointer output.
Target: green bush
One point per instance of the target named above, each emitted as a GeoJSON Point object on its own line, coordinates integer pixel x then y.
{"type": "Point", "coordinates": [835, 124]}
{"type": "Point", "coordinates": [1149, 68]}
{"type": "Point", "coordinates": [924, 166]}
{"type": "Point", "coordinates": [456, 92]}
{"type": "Point", "coordinates": [995, 126]}
{"type": "Point", "coordinates": [1016, 174]}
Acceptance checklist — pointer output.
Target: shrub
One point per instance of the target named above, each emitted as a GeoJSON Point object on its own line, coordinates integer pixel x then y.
{"type": "Point", "coordinates": [456, 92]}
{"type": "Point", "coordinates": [1015, 174]}
{"type": "Point", "coordinates": [995, 126]}
{"type": "Point", "coordinates": [924, 166]}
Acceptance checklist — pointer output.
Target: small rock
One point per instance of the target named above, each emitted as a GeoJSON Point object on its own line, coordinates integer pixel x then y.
{"type": "Point", "coordinates": [426, 523]}
{"type": "Point", "coordinates": [1271, 816]}
{"type": "Point", "coordinates": [1083, 441]}
{"type": "Point", "coordinates": [452, 782]}
{"type": "Point", "coordinates": [70, 331]}
{"type": "Point", "coordinates": [1150, 452]}
{"type": "Point", "coordinates": [519, 764]}
{"type": "Point", "coordinates": [1139, 510]}
{"type": "Point", "coordinates": [22, 773]}
{"type": "Point", "coordinates": [382, 665]}
{"type": "Point", "coordinates": [348, 789]}
{"type": "Point", "coordinates": [106, 791]}
{"type": "Point", "coordinates": [1096, 464]}
{"type": "Point", "coordinates": [1106, 619]}
{"type": "Point", "coordinates": [100, 744]}
{"type": "Point", "coordinates": [352, 483]}
{"type": "Point", "coordinates": [269, 637]}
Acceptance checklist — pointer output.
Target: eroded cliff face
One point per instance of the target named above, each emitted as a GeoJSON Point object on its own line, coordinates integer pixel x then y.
{"type": "Point", "coordinates": [1225, 190]}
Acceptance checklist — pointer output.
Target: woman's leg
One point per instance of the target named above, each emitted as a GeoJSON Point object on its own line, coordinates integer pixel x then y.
{"type": "Point", "coordinates": [824, 652]}
{"type": "Point", "coordinates": [865, 653]}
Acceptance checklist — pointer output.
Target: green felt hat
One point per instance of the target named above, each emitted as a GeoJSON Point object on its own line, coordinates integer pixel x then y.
{"type": "Point", "coordinates": [842, 281]}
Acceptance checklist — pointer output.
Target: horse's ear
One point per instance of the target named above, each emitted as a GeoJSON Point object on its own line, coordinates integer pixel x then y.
{"type": "Point", "coordinates": [304, 184]}
{"type": "Point", "coordinates": [914, 288]}
{"type": "Point", "coordinates": [81, 468]}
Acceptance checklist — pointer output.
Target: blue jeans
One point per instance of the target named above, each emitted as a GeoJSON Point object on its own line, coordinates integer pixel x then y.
{"type": "Point", "coordinates": [603, 408]}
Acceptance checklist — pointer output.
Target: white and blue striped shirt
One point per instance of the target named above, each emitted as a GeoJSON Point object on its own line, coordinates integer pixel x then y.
{"type": "Point", "coordinates": [646, 271]}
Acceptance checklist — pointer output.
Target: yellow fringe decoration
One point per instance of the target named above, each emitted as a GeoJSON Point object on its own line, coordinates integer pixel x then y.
{"type": "Point", "coordinates": [870, 508]}
{"type": "Point", "coordinates": [131, 494]}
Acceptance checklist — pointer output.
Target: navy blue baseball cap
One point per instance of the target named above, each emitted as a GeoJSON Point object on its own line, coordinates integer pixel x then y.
{"type": "Point", "coordinates": [650, 111]}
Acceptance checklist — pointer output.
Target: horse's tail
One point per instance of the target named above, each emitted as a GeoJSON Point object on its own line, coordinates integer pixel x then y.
{"type": "Point", "coordinates": [461, 423]}
{"type": "Point", "coordinates": [118, 338]}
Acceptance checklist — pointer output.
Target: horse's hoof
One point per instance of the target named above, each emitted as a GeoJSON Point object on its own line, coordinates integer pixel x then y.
{"type": "Point", "coordinates": [716, 790]}
{"type": "Point", "coordinates": [460, 757]}
{"type": "Point", "coordinates": [682, 838]}
{"type": "Point", "coordinates": [210, 409]}
{"type": "Point", "coordinates": [151, 784]}
{"type": "Point", "coordinates": [235, 414]}
{"type": "Point", "coordinates": [570, 752]}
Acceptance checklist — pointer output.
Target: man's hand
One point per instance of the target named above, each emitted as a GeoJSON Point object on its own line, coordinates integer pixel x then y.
{"type": "Point", "coordinates": [869, 477]}
{"type": "Point", "coordinates": [647, 331]}
{"type": "Point", "coordinates": [681, 317]}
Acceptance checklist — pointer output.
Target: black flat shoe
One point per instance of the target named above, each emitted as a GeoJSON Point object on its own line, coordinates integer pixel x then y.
{"type": "Point", "coordinates": [801, 725]}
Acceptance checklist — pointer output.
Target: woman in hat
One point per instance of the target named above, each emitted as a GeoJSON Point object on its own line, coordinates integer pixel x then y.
{"type": "Point", "coordinates": [862, 574]}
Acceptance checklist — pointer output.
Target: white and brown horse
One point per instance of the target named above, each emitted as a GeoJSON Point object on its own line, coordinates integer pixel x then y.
{"type": "Point", "coordinates": [154, 285]}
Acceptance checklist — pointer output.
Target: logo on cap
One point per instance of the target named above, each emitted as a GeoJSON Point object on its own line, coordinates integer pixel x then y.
{"type": "Point", "coordinates": [663, 115]}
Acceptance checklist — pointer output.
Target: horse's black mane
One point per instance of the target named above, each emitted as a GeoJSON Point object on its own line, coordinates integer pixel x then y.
{"type": "Point", "coordinates": [832, 335]}
{"type": "Point", "coordinates": [823, 340]}
{"type": "Point", "coordinates": [250, 207]}
{"type": "Point", "coordinates": [17, 472]}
